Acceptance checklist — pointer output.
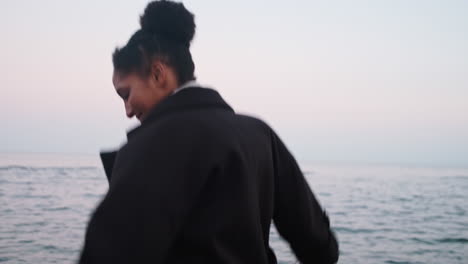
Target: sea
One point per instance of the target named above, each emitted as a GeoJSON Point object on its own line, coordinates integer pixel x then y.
{"type": "Point", "coordinates": [391, 214]}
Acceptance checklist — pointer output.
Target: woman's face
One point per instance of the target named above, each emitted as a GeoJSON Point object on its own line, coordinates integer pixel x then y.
{"type": "Point", "coordinates": [140, 94]}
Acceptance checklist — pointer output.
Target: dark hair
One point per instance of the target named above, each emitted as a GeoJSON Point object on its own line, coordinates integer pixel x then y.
{"type": "Point", "coordinates": [167, 28]}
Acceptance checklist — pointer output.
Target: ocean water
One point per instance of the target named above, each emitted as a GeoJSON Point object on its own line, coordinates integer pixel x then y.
{"type": "Point", "coordinates": [381, 214]}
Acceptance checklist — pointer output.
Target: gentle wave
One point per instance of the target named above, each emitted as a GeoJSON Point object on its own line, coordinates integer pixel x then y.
{"type": "Point", "coordinates": [453, 240]}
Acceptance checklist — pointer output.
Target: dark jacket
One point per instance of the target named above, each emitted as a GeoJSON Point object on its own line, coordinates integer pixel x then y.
{"type": "Point", "coordinates": [198, 183]}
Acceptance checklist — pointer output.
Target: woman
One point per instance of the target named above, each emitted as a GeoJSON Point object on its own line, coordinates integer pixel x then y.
{"type": "Point", "coordinates": [196, 182]}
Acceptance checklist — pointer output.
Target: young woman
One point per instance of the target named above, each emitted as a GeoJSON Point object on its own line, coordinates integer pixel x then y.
{"type": "Point", "coordinates": [196, 182]}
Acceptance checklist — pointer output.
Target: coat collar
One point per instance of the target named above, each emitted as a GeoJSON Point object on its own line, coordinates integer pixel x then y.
{"type": "Point", "coordinates": [108, 160]}
{"type": "Point", "coordinates": [186, 99]}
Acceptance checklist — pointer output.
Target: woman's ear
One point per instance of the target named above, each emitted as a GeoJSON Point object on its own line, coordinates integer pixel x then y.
{"type": "Point", "coordinates": [163, 76]}
{"type": "Point", "coordinates": [158, 71]}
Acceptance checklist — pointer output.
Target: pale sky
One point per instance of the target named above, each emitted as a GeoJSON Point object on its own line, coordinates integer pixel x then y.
{"type": "Point", "coordinates": [367, 81]}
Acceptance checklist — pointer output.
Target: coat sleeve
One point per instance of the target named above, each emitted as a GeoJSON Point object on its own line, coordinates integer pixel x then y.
{"type": "Point", "coordinates": [298, 216]}
{"type": "Point", "coordinates": [150, 195]}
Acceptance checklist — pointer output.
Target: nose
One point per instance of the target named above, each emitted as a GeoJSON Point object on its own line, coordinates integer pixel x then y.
{"type": "Point", "coordinates": [129, 110]}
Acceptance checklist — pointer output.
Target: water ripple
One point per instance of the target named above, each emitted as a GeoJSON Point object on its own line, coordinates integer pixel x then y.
{"type": "Point", "coordinates": [453, 240]}
{"type": "Point", "coordinates": [389, 216]}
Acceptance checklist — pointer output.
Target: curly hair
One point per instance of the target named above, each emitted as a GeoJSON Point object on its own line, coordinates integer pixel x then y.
{"type": "Point", "coordinates": [167, 29]}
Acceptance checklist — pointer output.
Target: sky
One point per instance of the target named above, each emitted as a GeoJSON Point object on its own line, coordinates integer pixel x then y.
{"type": "Point", "coordinates": [342, 81]}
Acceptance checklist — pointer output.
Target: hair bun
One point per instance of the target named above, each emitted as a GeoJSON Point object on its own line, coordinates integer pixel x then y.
{"type": "Point", "coordinates": [170, 20]}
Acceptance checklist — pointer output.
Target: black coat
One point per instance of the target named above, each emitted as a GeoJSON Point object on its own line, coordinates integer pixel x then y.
{"type": "Point", "coordinates": [198, 183]}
